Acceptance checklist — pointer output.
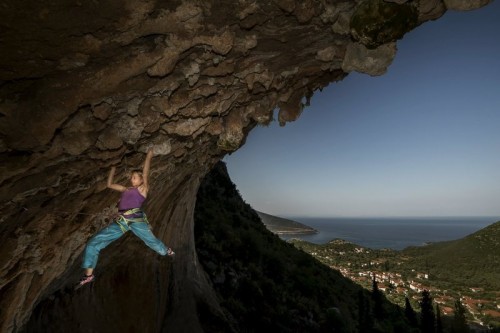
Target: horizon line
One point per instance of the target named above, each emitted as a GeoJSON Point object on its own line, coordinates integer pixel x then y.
{"type": "Point", "coordinates": [497, 217]}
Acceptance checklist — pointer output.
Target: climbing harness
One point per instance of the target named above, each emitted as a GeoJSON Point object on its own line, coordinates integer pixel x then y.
{"type": "Point", "coordinates": [122, 219]}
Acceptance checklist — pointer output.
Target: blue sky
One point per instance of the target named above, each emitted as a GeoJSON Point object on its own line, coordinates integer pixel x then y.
{"type": "Point", "coordinates": [421, 140]}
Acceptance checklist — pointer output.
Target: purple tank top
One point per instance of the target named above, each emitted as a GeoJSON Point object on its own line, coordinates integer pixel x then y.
{"type": "Point", "coordinates": [131, 198]}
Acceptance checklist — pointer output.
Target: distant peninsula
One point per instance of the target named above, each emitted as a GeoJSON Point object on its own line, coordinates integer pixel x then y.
{"type": "Point", "coordinates": [282, 226]}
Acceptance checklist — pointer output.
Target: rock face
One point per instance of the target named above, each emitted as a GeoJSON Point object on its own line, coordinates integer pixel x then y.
{"type": "Point", "coordinates": [85, 85]}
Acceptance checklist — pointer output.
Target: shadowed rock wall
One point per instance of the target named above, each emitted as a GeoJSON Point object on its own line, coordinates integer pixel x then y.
{"type": "Point", "coordinates": [85, 85]}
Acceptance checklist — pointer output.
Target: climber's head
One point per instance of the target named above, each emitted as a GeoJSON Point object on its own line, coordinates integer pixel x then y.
{"type": "Point", "coordinates": [136, 178]}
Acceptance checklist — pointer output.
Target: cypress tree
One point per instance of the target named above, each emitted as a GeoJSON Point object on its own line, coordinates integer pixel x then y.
{"type": "Point", "coordinates": [378, 310]}
{"type": "Point", "coordinates": [427, 319]}
{"type": "Point", "coordinates": [410, 314]}
{"type": "Point", "coordinates": [459, 320]}
{"type": "Point", "coordinates": [439, 321]}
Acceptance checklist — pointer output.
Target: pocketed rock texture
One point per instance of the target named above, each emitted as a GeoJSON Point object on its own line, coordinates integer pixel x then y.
{"type": "Point", "coordinates": [85, 85]}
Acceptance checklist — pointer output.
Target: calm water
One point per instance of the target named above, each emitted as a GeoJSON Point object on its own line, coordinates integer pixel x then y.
{"type": "Point", "coordinates": [394, 233]}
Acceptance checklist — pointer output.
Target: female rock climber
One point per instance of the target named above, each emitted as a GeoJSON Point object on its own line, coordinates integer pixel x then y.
{"type": "Point", "coordinates": [130, 217]}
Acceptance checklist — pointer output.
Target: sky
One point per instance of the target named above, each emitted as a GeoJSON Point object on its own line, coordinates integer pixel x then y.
{"type": "Point", "coordinates": [421, 140]}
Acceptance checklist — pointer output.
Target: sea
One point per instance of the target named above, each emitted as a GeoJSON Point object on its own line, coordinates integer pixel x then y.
{"type": "Point", "coordinates": [392, 233]}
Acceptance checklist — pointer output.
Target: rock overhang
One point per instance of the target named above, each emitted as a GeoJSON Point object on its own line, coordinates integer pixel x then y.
{"type": "Point", "coordinates": [87, 85]}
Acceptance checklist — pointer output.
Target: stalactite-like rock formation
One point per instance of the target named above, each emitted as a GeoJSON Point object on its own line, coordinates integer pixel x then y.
{"type": "Point", "coordinates": [85, 85]}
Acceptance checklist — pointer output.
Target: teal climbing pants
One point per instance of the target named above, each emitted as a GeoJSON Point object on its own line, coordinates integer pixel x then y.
{"type": "Point", "coordinates": [118, 228]}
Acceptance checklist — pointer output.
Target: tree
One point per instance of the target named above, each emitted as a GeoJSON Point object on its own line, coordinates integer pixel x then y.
{"type": "Point", "coordinates": [459, 320]}
{"type": "Point", "coordinates": [387, 266]}
{"type": "Point", "coordinates": [377, 298]}
{"type": "Point", "coordinates": [427, 319]}
{"type": "Point", "coordinates": [410, 314]}
{"type": "Point", "coordinates": [439, 322]}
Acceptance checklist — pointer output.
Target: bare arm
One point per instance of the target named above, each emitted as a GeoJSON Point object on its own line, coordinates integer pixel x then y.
{"type": "Point", "coordinates": [145, 170]}
{"type": "Point", "coordinates": [110, 184]}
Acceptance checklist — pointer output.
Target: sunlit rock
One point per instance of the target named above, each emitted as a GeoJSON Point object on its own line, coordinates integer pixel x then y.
{"type": "Point", "coordinates": [370, 61]}
{"type": "Point", "coordinates": [465, 4]}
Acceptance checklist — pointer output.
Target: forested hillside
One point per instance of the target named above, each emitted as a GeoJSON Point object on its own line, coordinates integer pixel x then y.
{"type": "Point", "coordinates": [267, 285]}
{"type": "Point", "coordinates": [475, 258]}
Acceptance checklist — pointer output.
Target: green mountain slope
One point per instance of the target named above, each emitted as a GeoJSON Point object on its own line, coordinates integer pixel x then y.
{"type": "Point", "coordinates": [280, 225]}
{"type": "Point", "coordinates": [264, 284]}
{"type": "Point", "coordinates": [475, 258]}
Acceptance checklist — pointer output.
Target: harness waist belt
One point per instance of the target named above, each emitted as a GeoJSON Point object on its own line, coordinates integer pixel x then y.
{"type": "Point", "coordinates": [121, 218]}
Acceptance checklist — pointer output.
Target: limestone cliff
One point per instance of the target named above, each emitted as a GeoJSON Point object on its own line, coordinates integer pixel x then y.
{"type": "Point", "coordinates": [85, 85]}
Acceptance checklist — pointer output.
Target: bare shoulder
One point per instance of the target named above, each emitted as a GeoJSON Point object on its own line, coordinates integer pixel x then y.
{"type": "Point", "coordinates": [143, 190]}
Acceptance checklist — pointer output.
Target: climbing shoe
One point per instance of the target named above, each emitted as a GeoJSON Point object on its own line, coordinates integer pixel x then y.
{"type": "Point", "coordinates": [84, 280]}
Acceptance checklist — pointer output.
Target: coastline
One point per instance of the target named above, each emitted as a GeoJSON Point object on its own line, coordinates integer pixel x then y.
{"type": "Point", "coordinates": [394, 233]}
{"type": "Point", "coordinates": [282, 226]}
{"type": "Point", "coordinates": [297, 232]}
